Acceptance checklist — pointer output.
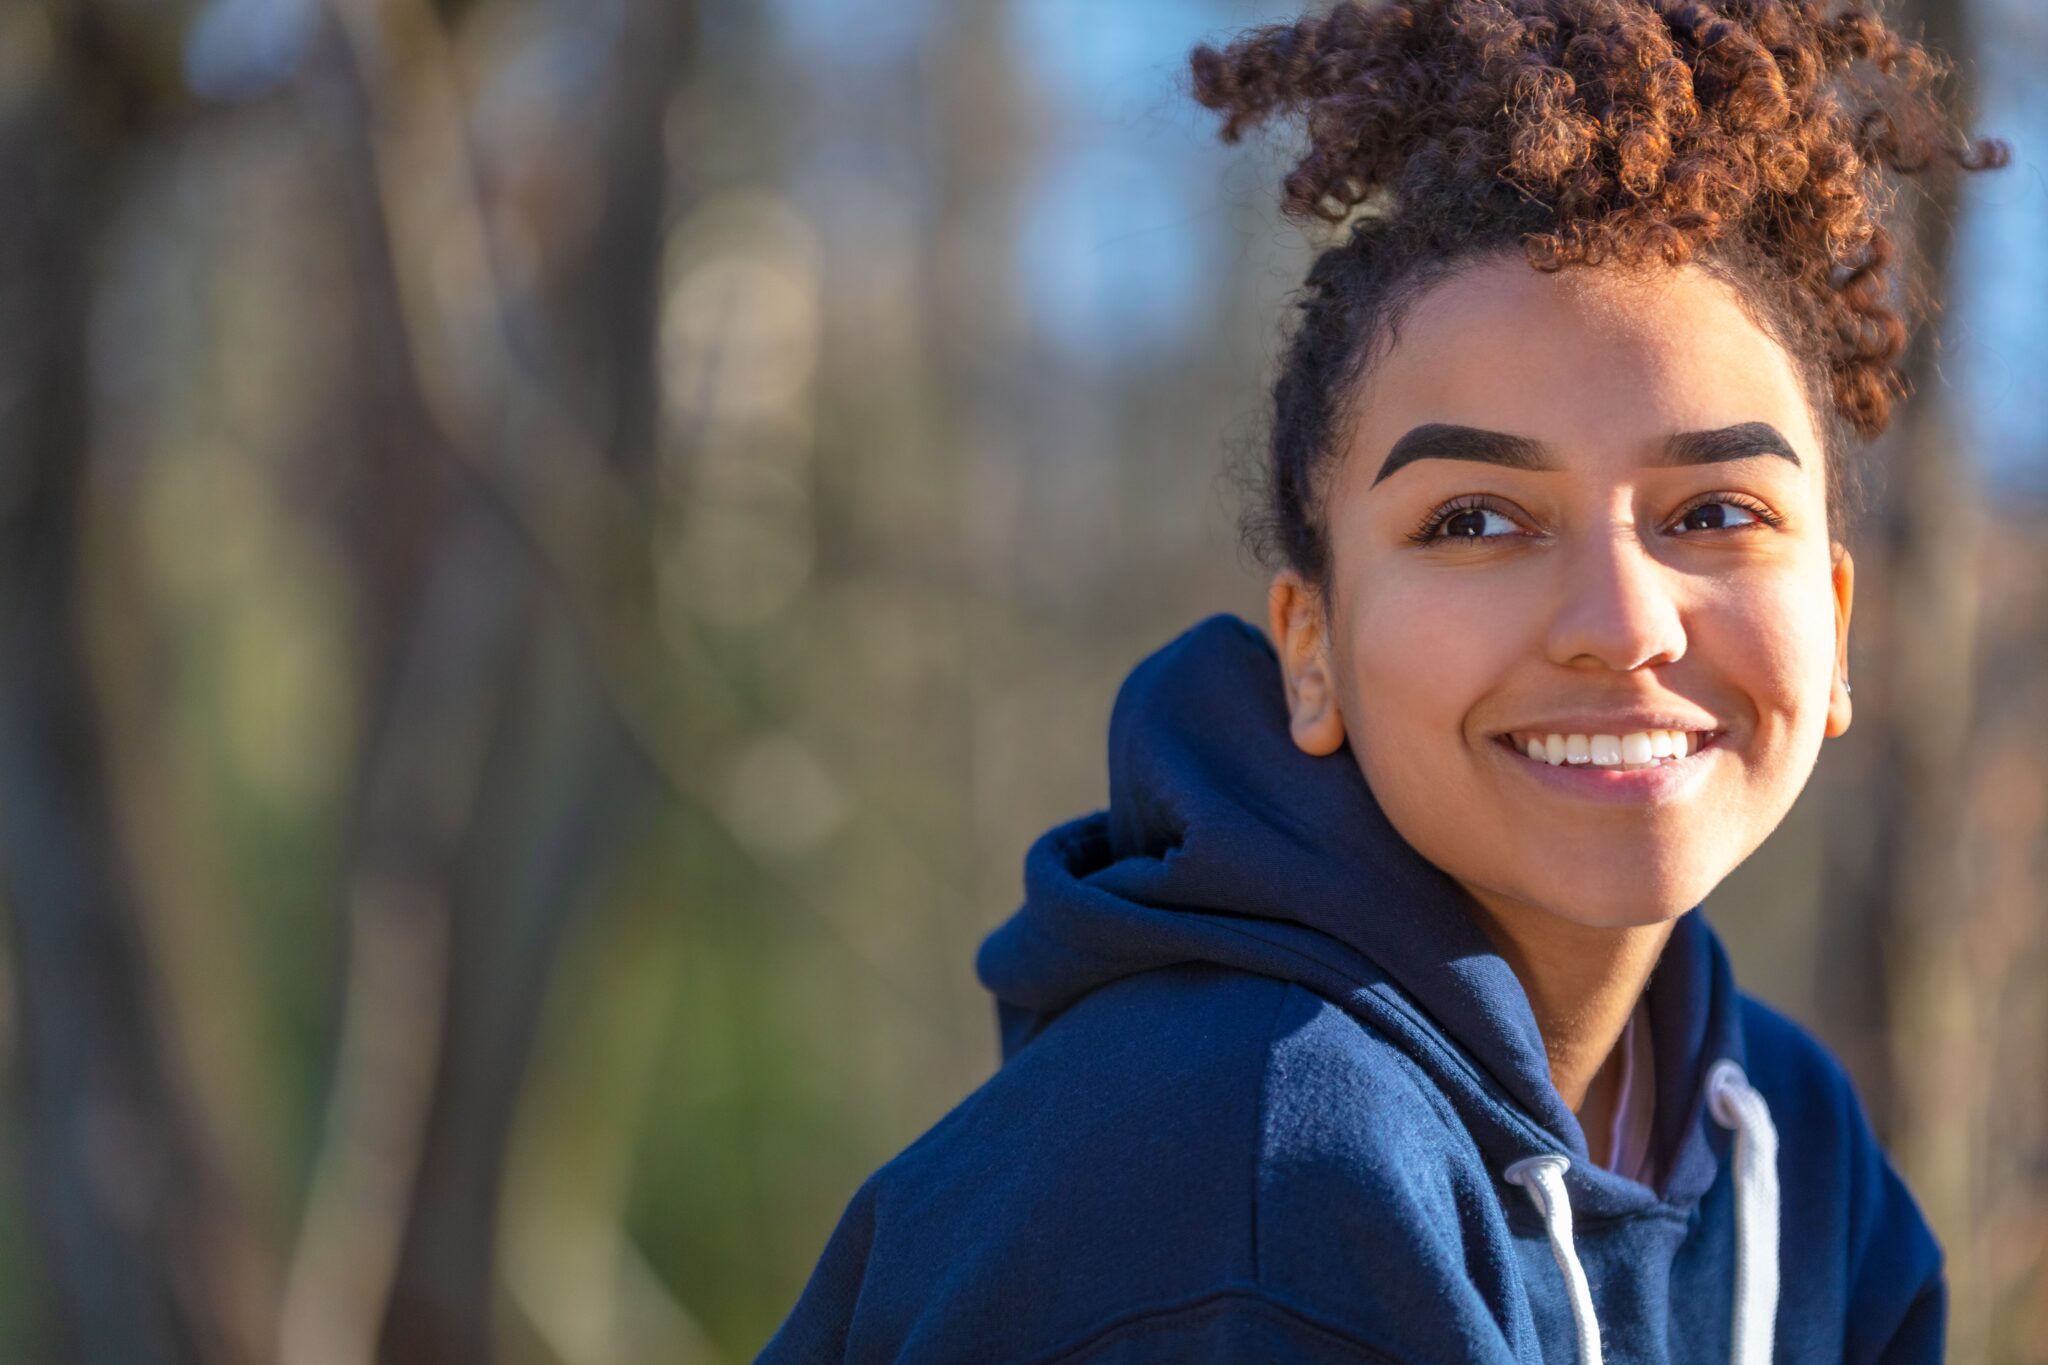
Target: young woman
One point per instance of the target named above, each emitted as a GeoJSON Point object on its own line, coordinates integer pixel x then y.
{"type": "Point", "coordinates": [1375, 1019]}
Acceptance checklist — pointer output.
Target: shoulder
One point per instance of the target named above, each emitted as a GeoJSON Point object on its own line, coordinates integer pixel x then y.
{"type": "Point", "coordinates": [1105, 1169]}
{"type": "Point", "coordinates": [1814, 1104]}
{"type": "Point", "coordinates": [1197, 1042]}
{"type": "Point", "coordinates": [1303, 1086]}
{"type": "Point", "coordinates": [1806, 1087]}
{"type": "Point", "coordinates": [1232, 1080]}
{"type": "Point", "coordinates": [1840, 1188]}
{"type": "Point", "coordinates": [1820, 1118]}
{"type": "Point", "coordinates": [1270, 1094]}
{"type": "Point", "coordinates": [1180, 1133]}
{"type": "Point", "coordinates": [1342, 1101]}
{"type": "Point", "coordinates": [1137, 1063]}
{"type": "Point", "coordinates": [1338, 1179]}
{"type": "Point", "coordinates": [1374, 1203]}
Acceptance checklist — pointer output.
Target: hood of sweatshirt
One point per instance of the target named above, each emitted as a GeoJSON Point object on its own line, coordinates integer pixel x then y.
{"type": "Point", "coordinates": [1223, 842]}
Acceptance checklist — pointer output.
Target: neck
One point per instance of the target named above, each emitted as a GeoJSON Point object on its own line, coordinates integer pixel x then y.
{"type": "Point", "coordinates": [1582, 983]}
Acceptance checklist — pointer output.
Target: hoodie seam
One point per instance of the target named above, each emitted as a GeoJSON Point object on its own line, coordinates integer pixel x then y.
{"type": "Point", "coordinates": [1258, 1143]}
{"type": "Point", "coordinates": [1107, 1331]}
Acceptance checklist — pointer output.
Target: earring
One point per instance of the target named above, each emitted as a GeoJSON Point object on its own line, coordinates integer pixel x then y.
{"type": "Point", "coordinates": [1846, 689]}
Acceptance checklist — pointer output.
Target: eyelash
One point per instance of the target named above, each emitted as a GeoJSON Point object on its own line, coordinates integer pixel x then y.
{"type": "Point", "coordinates": [1425, 534]}
{"type": "Point", "coordinates": [1748, 504]}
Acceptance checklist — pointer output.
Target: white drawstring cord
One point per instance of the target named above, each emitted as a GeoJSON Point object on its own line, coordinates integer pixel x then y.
{"type": "Point", "coordinates": [1543, 1177]}
{"type": "Point", "coordinates": [1736, 1104]}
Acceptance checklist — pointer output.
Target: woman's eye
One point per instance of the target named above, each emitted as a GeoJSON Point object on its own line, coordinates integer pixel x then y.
{"type": "Point", "coordinates": [1472, 523]}
{"type": "Point", "coordinates": [1715, 516]}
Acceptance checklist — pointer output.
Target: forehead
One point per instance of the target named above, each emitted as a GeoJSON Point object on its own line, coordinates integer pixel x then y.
{"type": "Point", "coordinates": [1598, 362]}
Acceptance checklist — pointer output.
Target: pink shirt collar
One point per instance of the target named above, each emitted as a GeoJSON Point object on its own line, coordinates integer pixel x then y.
{"type": "Point", "coordinates": [1630, 1141]}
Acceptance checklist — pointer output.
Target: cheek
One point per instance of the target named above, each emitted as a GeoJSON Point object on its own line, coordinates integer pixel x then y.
{"type": "Point", "coordinates": [1421, 655]}
{"type": "Point", "coordinates": [1773, 637]}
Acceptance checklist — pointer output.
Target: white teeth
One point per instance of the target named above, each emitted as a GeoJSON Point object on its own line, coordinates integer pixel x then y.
{"type": "Point", "coordinates": [1638, 749]}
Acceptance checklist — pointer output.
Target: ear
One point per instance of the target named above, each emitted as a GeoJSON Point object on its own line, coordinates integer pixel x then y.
{"type": "Point", "coordinates": [1839, 707]}
{"type": "Point", "coordinates": [1295, 612]}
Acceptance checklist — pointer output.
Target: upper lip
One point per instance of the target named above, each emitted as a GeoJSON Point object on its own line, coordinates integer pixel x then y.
{"type": "Point", "coordinates": [1613, 724]}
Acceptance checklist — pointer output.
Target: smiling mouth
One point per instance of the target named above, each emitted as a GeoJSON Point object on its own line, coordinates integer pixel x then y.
{"type": "Point", "coordinates": [1638, 751]}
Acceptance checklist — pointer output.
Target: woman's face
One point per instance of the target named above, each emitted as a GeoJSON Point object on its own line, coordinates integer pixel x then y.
{"type": "Point", "coordinates": [1621, 487]}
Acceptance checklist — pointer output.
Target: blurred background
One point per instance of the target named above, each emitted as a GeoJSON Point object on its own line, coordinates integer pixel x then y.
{"type": "Point", "coordinates": [555, 553]}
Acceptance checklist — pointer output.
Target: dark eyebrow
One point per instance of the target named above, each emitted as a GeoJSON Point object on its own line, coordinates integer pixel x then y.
{"type": "Point", "coordinates": [1729, 443]}
{"type": "Point", "coordinates": [1449, 441]}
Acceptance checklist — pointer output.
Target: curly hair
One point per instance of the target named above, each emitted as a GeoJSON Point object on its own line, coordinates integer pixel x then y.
{"type": "Point", "coordinates": [1749, 137]}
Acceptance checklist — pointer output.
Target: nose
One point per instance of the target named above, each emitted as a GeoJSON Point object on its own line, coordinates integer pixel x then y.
{"type": "Point", "coordinates": [1616, 606]}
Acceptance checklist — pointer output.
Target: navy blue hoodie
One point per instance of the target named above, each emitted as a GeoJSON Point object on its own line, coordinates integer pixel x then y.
{"type": "Point", "coordinates": [1268, 1094]}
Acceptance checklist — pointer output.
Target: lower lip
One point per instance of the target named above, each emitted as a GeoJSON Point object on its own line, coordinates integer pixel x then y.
{"type": "Point", "coordinates": [1665, 782]}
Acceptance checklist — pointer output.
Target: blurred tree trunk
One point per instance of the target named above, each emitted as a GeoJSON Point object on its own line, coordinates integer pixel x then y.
{"type": "Point", "coordinates": [496, 780]}
{"type": "Point", "coordinates": [566, 791]}
{"type": "Point", "coordinates": [1904, 906]}
{"type": "Point", "coordinates": [142, 1241]}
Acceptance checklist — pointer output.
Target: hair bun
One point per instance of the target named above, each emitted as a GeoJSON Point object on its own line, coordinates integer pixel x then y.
{"type": "Point", "coordinates": [1618, 130]}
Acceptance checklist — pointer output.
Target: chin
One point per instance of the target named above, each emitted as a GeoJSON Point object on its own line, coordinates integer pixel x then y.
{"type": "Point", "coordinates": [1627, 905]}
{"type": "Point", "coordinates": [1619, 902]}
{"type": "Point", "coordinates": [1630, 913]}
